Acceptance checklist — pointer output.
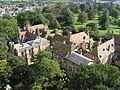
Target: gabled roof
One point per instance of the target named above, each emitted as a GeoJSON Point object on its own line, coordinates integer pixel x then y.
{"type": "Point", "coordinates": [78, 58]}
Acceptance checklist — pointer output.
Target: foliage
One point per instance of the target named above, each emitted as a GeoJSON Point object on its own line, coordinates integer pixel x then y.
{"type": "Point", "coordinates": [46, 9]}
{"type": "Point", "coordinates": [32, 17]}
{"type": "Point", "coordinates": [9, 27]}
{"type": "Point", "coordinates": [104, 20]}
{"type": "Point", "coordinates": [91, 15]}
{"type": "Point", "coordinates": [12, 60]}
{"type": "Point", "coordinates": [93, 26]}
{"type": "Point", "coordinates": [114, 13]}
{"type": "Point", "coordinates": [22, 74]}
{"type": "Point", "coordinates": [44, 54]}
{"type": "Point", "coordinates": [83, 17]}
{"type": "Point", "coordinates": [53, 23]}
{"type": "Point", "coordinates": [3, 43]}
{"type": "Point", "coordinates": [47, 73]}
{"type": "Point", "coordinates": [118, 22]}
{"type": "Point", "coordinates": [74, 8]}
{"type": "Point", "coordinates": [5, 73]}
{"type": "Point", "coordinates": [68, 16]}
{"type": "Point", "coordinates": [56, 12]}
{"type": "Point", "coordinates": [97, 77]}
{"type": "Point", "coordinates": [84, 7]}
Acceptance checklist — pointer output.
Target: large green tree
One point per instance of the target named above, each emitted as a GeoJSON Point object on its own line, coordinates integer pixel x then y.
{"type": "Point", "coordinates": [97, 77]}
{"type": "Point", "coordinates": [68, 16]}
{"type": "Point", "coordinates": [47, 73]}
{"type": "Point", "coordinates": [114, 12]}
{"type": "Point", "coordinates": [104, 20]}
{"type": "Point", "coordinates": [53, 23]}
{"type": "Point", "coordinates": [83, 17]}
{"type": "Point", "coordinates": [32, 17]}
{"type": "Point", "coordinates": [9, 27]}
{"type": "Point", "coordinates": [5, 73]}
{"type": "Point", "coordinates": [3, 43]}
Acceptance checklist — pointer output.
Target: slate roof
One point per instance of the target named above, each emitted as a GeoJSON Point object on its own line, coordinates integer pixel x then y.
{"type": "Point", "coordinates": [78, 58]}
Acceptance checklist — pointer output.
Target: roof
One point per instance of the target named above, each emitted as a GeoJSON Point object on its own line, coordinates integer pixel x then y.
{"type": "Point", "coordinates": [24, 36]}
{"type": "Point", "coordinates": [60, 38]}
{"type": "Point", "coordinates": [61, 48]}
{"type": "Point", "coordinates": [78, 58]}
{"type": "Point", "coordinates": [37, 41]}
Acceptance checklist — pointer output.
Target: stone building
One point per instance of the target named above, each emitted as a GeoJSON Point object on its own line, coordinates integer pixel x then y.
{"type": "Point", "coordinates": [68, 50]}
{"type": "Point", "coordinates": [28, 42]}
{"type": "Point", "coordinates": [103, 53]}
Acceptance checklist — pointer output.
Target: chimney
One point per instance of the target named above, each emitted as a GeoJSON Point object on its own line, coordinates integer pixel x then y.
{"type": "Point", "coordinates": [100, 41]}
{"type": "Point", "coordinates": [28, 28]}
{"type": "Point", "coordinates": [69, 34]}
{"type": "Point", "coordinates": [38, 32]}
{"type": "Point", "coordinates": [87, 31]}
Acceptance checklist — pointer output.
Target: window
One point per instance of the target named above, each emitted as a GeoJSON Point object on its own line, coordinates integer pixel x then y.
{"type": "Point", "coordinates": [22, 53]}
{"type": "Point", "coordinates": [100, 56]}
{"type": "Point", "coordinates": [84, 37]}
{"type": "Point", "coordinates": [112, 44]}
{"type": "Point", "coordinates": [103, 49]}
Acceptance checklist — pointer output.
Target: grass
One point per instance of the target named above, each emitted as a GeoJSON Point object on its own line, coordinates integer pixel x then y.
{"type": "Point", "coordinates": [78, 25]}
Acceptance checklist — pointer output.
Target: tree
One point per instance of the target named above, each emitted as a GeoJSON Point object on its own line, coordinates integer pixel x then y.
{"type": "Point", "coordinates": [32, 17]}
{"type": "Point", "coordinates": [91, 15]}
{"type": "Point", "coordinates": [3, 43]}
{"type": "Point", "coordinates": [56, 11]}
{"type": "Point", "coordinates": [40, 19]}
{"type": "Point", "coordinates": [114, 13]}
{"type": "Point", "coordinates": [84, 7]}
{"type": "Point", "coordinates": [9, 27]}
{"type": "Point", "coordinates": [93, 26]}
{"type": "Point", "coordinates": [44, 54]}
{"type": "Point", "coordinates": [53, 23]}
{"type": "Point", "coordinates": [5, 73]}
{"type": "Point", "coordinates": [46, 9]}
{"type": "Point", "coordinates": [83, 17]}
{"type": "Point", "coordinates": [12, 60]}
{"type": "Point", "coordinates": [68, 16]}
{"type": "Point", "coordinates": [97, 77]}
{"type": "Point", "coordinates": [47, 73]}
{"type": "Point", "coordinates": [119, 23]}
{"type": "Point", "coordinates": [74, 8]}
{"type": "Point", "coordinates": [104, 20]}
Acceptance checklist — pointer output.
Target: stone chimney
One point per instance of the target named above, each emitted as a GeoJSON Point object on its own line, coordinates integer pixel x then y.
{"type": "Point", "coordinates": [38, 32]}
{"type": "Point", "coordinates": [100, 41]}
{"type": "Point", "coordinates": [28, 28]}
{"type": "Point", "coordinates": [87, 31]}
{"type": "Point", "coordinates": [69, 34]}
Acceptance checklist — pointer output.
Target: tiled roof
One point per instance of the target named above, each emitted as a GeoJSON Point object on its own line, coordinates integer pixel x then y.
{"type": "Point", "coordinates": [60, 38]}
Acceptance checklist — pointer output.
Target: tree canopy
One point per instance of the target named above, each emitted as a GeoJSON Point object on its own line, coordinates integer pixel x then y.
{"type": "Point", "coordinates": [97, 77]}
